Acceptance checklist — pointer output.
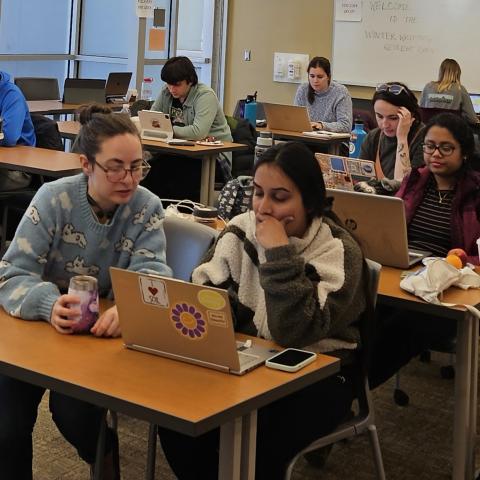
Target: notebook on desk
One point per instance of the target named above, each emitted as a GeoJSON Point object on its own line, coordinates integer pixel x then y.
{"type": "Point", "coordinates": [378, 223]}
{"type": "Point", "coordinates": [157, 126]}
{"type": "Point", "coordinates": [182, 321]}
{"type": "Point", "coordinates": [287, 117]}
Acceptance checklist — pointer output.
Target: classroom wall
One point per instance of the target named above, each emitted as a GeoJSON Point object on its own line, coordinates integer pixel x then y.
{"type": "Point", "coordinates": [268, 26]}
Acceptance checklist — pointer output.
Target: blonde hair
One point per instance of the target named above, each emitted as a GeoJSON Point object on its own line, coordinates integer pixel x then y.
{"type": "Point", "coordinates": [448, 75]}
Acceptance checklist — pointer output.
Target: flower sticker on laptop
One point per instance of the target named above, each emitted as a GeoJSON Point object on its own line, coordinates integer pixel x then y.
{"type": "Point", "coordinates": [188, 321]}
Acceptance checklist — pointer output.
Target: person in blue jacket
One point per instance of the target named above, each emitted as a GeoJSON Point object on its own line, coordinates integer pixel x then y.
{"type": "Point", "coordinates": [17, 129]}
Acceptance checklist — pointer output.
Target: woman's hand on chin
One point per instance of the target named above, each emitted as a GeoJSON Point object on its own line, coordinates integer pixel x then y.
{"type": "Point", "coordinates": [271, 232]}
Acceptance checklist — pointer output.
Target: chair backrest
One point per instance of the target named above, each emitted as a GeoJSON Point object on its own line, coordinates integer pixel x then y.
{"type": "Point", "coordinates": [140, 105]}
{"type": "Point", "coordinates": [38, 88]}
{"type": "Point", "coordinates": [46, 132]}
{"type": "Point", "coordinates": [187, 243]}
{"type": "Point", "coordinates": [427, 113]}
{"type": "Point", "coordinates": [367, 117]}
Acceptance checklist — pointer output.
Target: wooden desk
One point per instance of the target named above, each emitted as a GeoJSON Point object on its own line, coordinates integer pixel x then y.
{"type": "Point", "coordinates": [51, 107]}
{"type": "Point", "coordinates": [41, 161]}
{"type": "Point", "coordinates": [466, 365]}
{"type": "Point", "coordinates": [56, 107]}
{"type": "Point", "coordinates": [69, 129]}
{"type": "Point", "coordinates": [176, 395]}
{"type": "Point", "coordinates": [333, 143]}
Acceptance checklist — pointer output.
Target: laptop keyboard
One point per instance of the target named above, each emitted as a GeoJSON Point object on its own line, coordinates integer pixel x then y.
{"type": "Point", "coordinates": [246, 358]}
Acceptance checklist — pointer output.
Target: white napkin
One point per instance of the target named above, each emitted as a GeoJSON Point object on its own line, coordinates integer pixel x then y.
{"type": "Point", "coordinates": [438, 275]}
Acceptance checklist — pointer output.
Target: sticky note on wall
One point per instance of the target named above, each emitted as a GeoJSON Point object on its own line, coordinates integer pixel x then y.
{"type": "Point", "coordinates": [156, 39]}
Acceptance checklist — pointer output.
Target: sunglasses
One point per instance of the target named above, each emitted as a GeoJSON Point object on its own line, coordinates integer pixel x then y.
{"type": "Point", "coordinates": [393, 88]}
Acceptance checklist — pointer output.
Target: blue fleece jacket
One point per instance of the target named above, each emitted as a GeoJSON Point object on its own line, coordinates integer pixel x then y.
{"type": "Point", "coordinates": [17, 125]}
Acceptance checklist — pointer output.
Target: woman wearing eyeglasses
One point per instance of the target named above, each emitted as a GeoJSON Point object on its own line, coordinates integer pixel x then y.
{"type": "Point", "coordinates": [79, 225]}
{"type": "Point", "coordinates": [396, 145]}
{"type": "Point", "coordinates": [442, 206]}
{"type": "Point", "coordinates": [447, 92]}
{"type": "Point", "coordinates": [442, 199]}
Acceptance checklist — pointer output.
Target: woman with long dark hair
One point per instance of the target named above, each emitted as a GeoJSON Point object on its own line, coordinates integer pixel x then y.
{"type": "Point", "coordinates": [396, 145]}
{"type": "Point", "coordinates": [295, 276]}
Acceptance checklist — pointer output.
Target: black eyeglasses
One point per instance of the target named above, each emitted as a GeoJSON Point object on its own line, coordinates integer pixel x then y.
{"type": "Point", "coordinates": [118, 174]}
{"type": "Point", "coordinates": [393, 88]}
{"type": "Point", "coordinates": [445, 149]}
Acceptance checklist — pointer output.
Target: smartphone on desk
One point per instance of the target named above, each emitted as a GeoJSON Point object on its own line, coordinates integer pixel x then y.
{"type": "Point", "coordinates": [291, 360]}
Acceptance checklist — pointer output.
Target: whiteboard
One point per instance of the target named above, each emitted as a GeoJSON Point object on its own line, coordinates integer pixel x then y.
{"type": "Point", "coordinates": [405, 40]}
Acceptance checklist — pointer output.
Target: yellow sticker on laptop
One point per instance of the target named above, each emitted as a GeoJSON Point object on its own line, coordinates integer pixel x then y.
{"type": "Point", "coordinates": [211, 299]}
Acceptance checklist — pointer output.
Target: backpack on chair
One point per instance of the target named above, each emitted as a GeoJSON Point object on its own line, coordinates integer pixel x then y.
{"type": "Point", "coordinates": [235, 197]}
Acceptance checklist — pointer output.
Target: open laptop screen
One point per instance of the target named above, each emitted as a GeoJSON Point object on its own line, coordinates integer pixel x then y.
{"type": "Point", "coordinates": [475, 98]}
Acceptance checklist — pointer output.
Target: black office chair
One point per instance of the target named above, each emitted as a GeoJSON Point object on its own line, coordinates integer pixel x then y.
{"type": "Point", "coordinates": [48, 136]}
{"type": "Point", "coordinates": [364, 420]}
{"type": "Point", "coordinates": [427, 113]}
{"type": "Point", "coordinates": [38, 88]}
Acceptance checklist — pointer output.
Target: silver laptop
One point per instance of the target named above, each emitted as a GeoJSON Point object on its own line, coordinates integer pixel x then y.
{"type": "Point", "coordinates": [287, 117]}
{"type": "Point", "coordinates": [182, 321]}
{"type": "Point", "coordinates": [83, 90]}
{"type": "Point", "coordinates": [344, 172]}
{"type": "Point", "coordinates": [378, 223]}
{"type": "Point", "coordinates": [157, 126]}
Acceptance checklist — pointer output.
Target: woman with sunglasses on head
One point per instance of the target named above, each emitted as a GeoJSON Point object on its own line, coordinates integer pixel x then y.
{"type": "Point", "coordinates": [448, 93]}
{"type": "Point", "coordinates": [396, 145]}
{"type": "Point", "coordinates": [442, 207]}
{"type": "Point", "coordinates": [295, 276]}
{"type": "Point", "coordinates": [79, 225]}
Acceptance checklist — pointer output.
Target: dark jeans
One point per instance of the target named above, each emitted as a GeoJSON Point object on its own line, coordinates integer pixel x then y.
{"type": "Point", "coordinates": [402, 335]}
{"type": "Point", "coordinates": [78, 421]}
{"type": "Point", "coordinates": [283, 428]}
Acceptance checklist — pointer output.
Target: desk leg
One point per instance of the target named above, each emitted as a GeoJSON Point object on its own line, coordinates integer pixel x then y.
{"type": "Point", "coordinates": [465, 398]}
{"type": "Point", "coordinates": [230, 450]}
{"type": "Point", "coordinates": [334, 148]}
{"type": "Point", "coordinates": [249, 445]}
{"type": "Point", "coordinates": [207, 181]}
{"type": "Point", "coordinates": [238, 440]}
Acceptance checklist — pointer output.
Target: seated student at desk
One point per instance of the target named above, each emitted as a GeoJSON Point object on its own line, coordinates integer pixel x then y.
{"type": "Point", "coordinates": [17, 129]}
{"type": "Point", "coordinates": [442, 207]}
{"type": "Point", "coordinates": [447, 92]}
{"type": "Point", "coordinates": [75, 226]}
{"type": "Point", "coordinates": [196, 114]}
{"type": "Point", "coordinates": [396, 145]}
{"type": "Point", "coordinates": [295, 276]}
{"type": "Point", "coordinates": [329, 103]}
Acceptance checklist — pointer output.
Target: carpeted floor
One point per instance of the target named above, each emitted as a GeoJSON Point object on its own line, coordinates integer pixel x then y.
{"type": "Point", "coordinates": [416, 440]}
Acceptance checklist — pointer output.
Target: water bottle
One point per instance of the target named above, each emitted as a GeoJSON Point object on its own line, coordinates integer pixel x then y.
{"type": "Point", "coordinates": [126, 109]}
{"type": "Point", "coordinates": [356, 138]}
{"type": "Point", "coordinates": [251, 109]}
{"type": "Point", "coordinates": [147, 89]}
{"type": "Point", "coordinates": [264, 142]}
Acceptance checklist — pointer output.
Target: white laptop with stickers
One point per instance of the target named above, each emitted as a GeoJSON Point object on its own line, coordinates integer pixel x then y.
{"type": "Point", "coordinates": [183, 321]}
{"type": "Point", "coordinates": [157, 126]}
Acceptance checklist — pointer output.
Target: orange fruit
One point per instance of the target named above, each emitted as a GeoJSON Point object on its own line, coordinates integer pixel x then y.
{"type": "Point", "coordinates": [454, 260]}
